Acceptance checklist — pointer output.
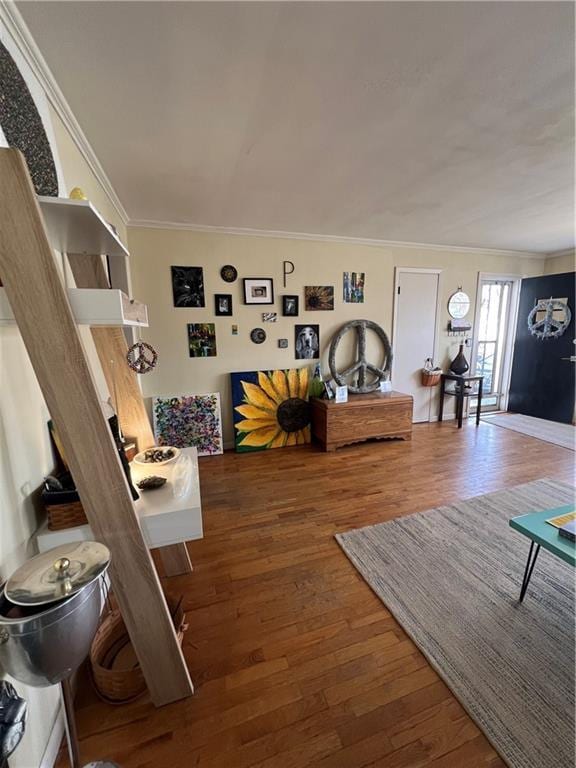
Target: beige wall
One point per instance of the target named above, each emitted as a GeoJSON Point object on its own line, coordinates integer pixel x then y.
{"type": "Point", "coordinates": [26, 455]}
{"type": "Point", "coordinates": [557, 265]}
{"type": "Point", "coordinates": [153, 251]}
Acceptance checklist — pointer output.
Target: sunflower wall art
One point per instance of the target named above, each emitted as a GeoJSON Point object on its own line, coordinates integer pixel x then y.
{"type": "Point", "coordinates": [271, 409]}
{"type": "Point", "coordinates": [318, 297]}
{"type": "Point", "coordinates": [186, 421]}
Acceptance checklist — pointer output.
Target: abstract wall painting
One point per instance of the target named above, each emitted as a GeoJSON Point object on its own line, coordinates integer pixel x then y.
{"type": "Point", "coordinates": [271, 409]}
{"type": "Point", "coordinates": [318, 297]}
{"type": "Point", "coordinates": [353, 285]}
{"type": "Point", "coordinates": [188, 287]}
{"type": "Point", "coordinates": [202, 339]}
{"type": "Point", "coordinates": [186, 421]}
{"type": "Point", "coordinates": [269, 317]}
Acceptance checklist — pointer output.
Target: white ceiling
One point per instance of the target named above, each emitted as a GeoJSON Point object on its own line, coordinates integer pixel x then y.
{"type": "Point", "coordinates": [448, 123]}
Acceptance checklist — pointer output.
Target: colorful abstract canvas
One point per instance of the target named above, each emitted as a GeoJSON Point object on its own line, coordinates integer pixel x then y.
{"type": "Point", "coordinates": [187, 421]}
{"type": "Point", "coordinates": [202, 339]}
{"type": "Point", "coordinates": [271, 409]}
{"type": "Point", "coordinates": [353, 284]}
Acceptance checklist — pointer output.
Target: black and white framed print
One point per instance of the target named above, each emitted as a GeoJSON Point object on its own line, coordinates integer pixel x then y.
{"type": "Point", "coordinates": [258, 290]}
{"type": "Point", "coordinates": [188, 287]}
{"type": "Point", "coordinates": [307, 342]}
{"type": "Point", "coordinates": [290, 306]}
{"type": "Point", "coordinates": [223, 305]}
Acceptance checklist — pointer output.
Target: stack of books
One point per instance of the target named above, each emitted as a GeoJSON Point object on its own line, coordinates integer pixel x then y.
{"type": "Point", "coordinates": [566, 525]}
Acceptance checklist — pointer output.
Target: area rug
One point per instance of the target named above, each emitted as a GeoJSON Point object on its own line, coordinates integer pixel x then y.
{"type": "Point", "coordinates": [549, 431]}
{"type": "Point", "coordinates": [451, 576]}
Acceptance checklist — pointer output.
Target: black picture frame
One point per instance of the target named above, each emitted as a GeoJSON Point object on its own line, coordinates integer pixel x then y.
{"type": "Point", "coordinates": [290, 306]}
{"type": "Point", "coordinates": [258, 290]}
{"type": "Point", "coordinates": [188, 287]}
{"type": "Point", "coordinates": [307, 342]}
{"type": "Point", "coordinates": [223, 304]}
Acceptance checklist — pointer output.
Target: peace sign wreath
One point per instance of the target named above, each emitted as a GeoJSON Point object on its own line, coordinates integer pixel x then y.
{"type": "Point", "coordinates": [142, 357]}
{"type": "Point", "coordinates": [361, 367]}
{"type": "Point", "coordinates": [549, 327]}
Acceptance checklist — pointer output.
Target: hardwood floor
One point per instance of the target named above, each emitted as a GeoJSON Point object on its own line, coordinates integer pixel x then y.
{"type": "Point", "coordinates": [296, 662]}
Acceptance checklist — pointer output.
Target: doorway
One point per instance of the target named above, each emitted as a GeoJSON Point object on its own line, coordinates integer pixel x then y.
{"type": "Point", "coordinates": [496, 309]}
{"type": "Point", "coordinates": [416, 294]}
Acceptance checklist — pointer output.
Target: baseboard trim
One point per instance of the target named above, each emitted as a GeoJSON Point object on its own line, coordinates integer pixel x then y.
{"type": "Point", "coordinates": [54, 742]}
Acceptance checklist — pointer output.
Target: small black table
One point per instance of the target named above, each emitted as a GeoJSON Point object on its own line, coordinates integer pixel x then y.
{"type": "Point", "coordinates": [460, 392]}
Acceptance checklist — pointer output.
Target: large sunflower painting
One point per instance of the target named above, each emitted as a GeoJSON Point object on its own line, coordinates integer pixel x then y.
{"type": "Point", "coordinates": [271, 409]}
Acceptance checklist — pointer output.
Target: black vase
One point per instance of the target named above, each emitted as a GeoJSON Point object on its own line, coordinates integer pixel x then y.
{"type": "Point", "coordinates": [459, 365]}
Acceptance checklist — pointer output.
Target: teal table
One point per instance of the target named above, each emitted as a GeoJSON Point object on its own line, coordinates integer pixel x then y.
{"type": "Point", "coordinates": [542, 534]}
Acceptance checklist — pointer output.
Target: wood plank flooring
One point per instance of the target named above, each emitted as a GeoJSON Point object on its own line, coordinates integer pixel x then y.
{"type": "Point", "coordinates": [296, 662]}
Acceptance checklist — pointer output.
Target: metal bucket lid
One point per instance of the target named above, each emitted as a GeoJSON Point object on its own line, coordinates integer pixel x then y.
{"type": "Point", "coordinates": [57, 574]}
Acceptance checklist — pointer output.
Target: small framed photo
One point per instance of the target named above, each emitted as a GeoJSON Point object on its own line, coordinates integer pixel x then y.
{"type": "Point", "coordinates": [258, 290]}
{"type": "Point", "coordinates": [290, 306]}
{"type": "Point", "coordinates": [223, 304]}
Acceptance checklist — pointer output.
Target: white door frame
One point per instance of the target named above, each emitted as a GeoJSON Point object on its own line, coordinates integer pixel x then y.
{"type": "Point", "coordinates": [419, 270]}
{"type": "Point", "coordinates": [516, 281]}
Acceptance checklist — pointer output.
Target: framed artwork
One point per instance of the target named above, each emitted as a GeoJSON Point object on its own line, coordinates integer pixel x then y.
{"type": "Point", "coordinates": [202, 339]}
{"type": "Point", "coordinates": [189, 421]}
{"type": "Point", "coordinates": [188, 287]}
{"type": "Point", "coordinates": [318, 297]}
{"type": "Point", "coordinates": [269, 317]}
{"type": "Point", "coordinates": [290, 306]}
{"type": "Point", "coordinates": [283, 343]}
{"type": "Point", "coordinates": [258, 290]}
{"type": "Point", "coordinates": [353, 287]}
{"type": "Point", "coordinates": [271, 409]}
{"type": "Point", "coordinates": [223, 304]}
{"type": "Point", "coordinates": [307, 342]}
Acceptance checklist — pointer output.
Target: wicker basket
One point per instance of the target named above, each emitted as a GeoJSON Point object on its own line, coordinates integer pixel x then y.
{"type": "Point", "coordinates": [430, 378]}
{"type": "Point", "coordinates": [65, 515]}
{"type": "Point", "coordinates": [116, 673]}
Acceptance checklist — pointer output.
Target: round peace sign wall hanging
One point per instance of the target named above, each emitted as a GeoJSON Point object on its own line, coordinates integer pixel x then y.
{"type": "Point", "coordinates": [361, 369]}
{"type": "Point", "coordinates": [142, 357]}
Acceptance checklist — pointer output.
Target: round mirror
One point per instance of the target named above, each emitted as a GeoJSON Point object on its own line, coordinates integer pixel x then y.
{"type": "Point", "coordinates": [458, 305]}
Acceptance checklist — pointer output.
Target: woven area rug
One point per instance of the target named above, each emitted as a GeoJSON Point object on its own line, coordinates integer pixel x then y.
{"type": "Point", "coordinates": [451, 576]}
{"type": "Point", "coordinates": [549, 431]}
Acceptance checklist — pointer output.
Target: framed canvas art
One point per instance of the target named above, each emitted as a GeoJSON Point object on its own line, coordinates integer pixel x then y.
{"type": "Point", "coordinates": [353, 287]}
{"type": "Point", "coordinates": [188, 287]}
{"type": "Point", "coordinates": [318, 298]}
{"type": "Point", "coordinates": [189, 421]}
{"type": "Point", "coordinates": [258, 290]}
{"type": "Point", "coordinates": [307, 342]}
{"type": "Point", "coordinates": [271, 409]}
{"type": "Point", "coordinates": [202, 339]}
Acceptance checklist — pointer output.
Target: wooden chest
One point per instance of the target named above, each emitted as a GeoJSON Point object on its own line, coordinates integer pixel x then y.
{"type": "Point", "coordinates": [376, 415]}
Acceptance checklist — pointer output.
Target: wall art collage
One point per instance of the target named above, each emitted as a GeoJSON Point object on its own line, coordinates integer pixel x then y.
{"type": "Point", "coordinates": [271, 408]}
{"type": "Point", "coordinates": [188, 290]}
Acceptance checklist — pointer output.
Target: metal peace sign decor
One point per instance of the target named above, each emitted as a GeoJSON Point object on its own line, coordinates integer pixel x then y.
{"type": "Point", "coordinates": [549, 318]}
{"type": "Point", "coordinates": [361, 369]}
{"type": "Point", "coordinates": [142, 357]}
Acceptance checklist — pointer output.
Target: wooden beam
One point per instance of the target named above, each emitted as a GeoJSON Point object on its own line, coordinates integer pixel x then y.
{"type": "Point", "coordinates": [175, 559]}
{"type": "Point", "coordinates": [123, 385]}
{"type": "Point", "coordinates": [111, 347]}
{"type": "Point", "coordinates": [40, 304]}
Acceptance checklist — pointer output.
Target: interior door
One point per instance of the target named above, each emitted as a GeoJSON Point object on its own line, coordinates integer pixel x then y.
{"type": "Point", "coordinates": [416, 305]}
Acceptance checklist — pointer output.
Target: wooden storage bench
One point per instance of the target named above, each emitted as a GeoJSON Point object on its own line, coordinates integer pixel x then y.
{"type": "Point", "coordinates": [375, 415]}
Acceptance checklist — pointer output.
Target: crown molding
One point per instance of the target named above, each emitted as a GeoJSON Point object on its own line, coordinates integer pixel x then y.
{"type": "Point", "coordinates": [17, 29]}
{"type": "Point", "coordinates": [247, 232]}
{"type": "Point", "coordinates": [563, 252]}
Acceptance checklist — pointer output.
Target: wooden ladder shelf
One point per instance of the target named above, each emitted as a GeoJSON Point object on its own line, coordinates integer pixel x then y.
{"type": "Point", "coordinates": [42, 311]}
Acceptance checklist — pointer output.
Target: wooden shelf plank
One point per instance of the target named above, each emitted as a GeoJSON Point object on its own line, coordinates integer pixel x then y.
{"type": "Point", "coordinates": [75, 226]}
{"type": "Point", "coordinates": [165, 520]}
